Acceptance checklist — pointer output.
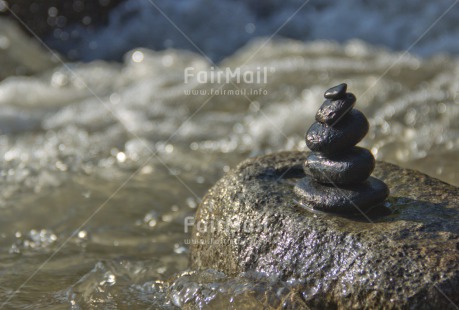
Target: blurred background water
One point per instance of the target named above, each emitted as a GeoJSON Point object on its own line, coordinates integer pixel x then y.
{"type": "Point", "coordinates": [105, 150]}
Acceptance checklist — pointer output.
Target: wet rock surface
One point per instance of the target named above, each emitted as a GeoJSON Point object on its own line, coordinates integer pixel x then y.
{"type": "Point", "coordinates": [403, 255]}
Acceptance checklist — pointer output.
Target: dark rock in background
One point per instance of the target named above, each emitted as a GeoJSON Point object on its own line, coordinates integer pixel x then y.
{"type": "Point", "coordinates": [42, 17]}
{"type": "Point", "coordinates": [406, 257]}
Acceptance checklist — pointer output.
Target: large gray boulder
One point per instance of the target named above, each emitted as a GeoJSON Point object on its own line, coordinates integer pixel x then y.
{"type": "Point", "coordinates": [402, 256]}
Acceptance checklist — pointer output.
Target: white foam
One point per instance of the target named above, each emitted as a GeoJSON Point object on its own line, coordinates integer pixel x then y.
{"type": "Point", "coordinates": [75, 119]}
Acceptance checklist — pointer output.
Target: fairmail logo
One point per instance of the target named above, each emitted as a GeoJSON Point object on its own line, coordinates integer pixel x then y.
{"type": "Point", "coordinates": [257, 76]}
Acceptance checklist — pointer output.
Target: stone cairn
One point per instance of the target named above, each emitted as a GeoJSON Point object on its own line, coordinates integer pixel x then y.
{"type": "Point", "coordinates": [338, 172]}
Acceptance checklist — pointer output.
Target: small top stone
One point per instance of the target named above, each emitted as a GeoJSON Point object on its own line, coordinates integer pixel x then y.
{"type": "Point", "coordinates": [336, 92]}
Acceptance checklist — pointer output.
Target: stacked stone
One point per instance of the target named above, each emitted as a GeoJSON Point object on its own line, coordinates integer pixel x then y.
{"type": "Point", "coordinates": [338, 172]}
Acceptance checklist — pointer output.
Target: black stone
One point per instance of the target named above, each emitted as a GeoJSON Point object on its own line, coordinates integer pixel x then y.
{"type": "Point", "coordinates": [342, 136]}
{"type": "Point", "coordinates": [349, 167]}
{"type": "Point", "coordinates": [336, 92]}
{"type": "Point", "coordinates": [345, 199]}
{"type": "Point", "coordinates": [331, 111]}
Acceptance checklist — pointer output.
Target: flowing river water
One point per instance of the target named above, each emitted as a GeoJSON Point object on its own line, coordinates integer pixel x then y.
{"type": "Point", "coordinates": [102, 163]}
